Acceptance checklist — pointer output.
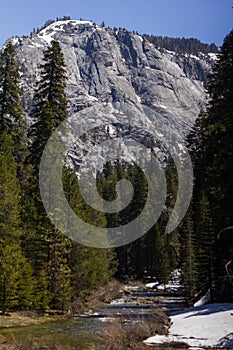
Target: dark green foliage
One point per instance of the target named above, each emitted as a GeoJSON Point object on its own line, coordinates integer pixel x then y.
{"type": "Point", "coordinates": [41, 295]}
{"type": "Point", "coordinates": [58, 271]}
{"type": "Point", "coordinates": [12, 118]}
{"type": "Point", "coordinates": [50, 102]}
{"type": "Point", "coordinates": [186, 256]}
{"type": "Point", "coordinates": [15, 272]}
{"type": "Point", "coordinates": [150, 254]}
{"type": "Point", "coordinates": [90, 267]}
{"type": "Point", "coordinates": [10, 223]}
{"type": "Point", "coordinates": [16, 286]}
{"type": "Point", "coordinates": [51, 248]}
{"type": "Point", "coordinates": [205, 238]}
{"type": "Point", "coordinates": [181, 45]}
{"type": "Point", "coordinates": [11, 111]}
{"type": "Point", "coordinates": [156, 255]}
{"type": "Point", "coordinates": [211, 147]}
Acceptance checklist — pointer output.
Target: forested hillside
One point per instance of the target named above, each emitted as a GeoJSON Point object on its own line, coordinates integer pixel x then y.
{"type": "Point", "coordinates": [182, 45]}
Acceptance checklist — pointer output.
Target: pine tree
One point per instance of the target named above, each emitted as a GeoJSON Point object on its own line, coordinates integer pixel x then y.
{"type": "Point", "coordinates": [51, 88]}
{"type": "Point", "coordinates": [136, 248]}
{"type": "Point", "coordinates": [49, 102]}
{"type": "Point", "coordinates": [205, 238]}
{"type": "Point", "coordinates": [51, 248]}
{"type": "Point", "coordinates": [10, 222]}
{"type": "Point", "coordinates": [211, 148]}
{"type": "Point", "coordinates": [15, 272]}
{"type": "Point", "coordinates": [41, 295]}
{"type": "Point", "coordinates": [186, 258]}
{"type": "Point", "coordinates": [11, 111]}
{"type": "Point", "coordinates": [219, 145]}
{"type": "Point", "coordinates": [156, 255]}
{"type": "Point", "coordinates": [15, 278]}
{"type": "Point", "coordinates": [12, 118]}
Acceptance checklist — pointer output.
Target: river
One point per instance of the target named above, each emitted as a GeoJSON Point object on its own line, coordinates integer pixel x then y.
{"type": "Point", "coordinates": [81, 331]}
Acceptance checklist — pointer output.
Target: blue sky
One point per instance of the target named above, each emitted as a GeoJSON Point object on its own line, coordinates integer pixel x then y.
{"type": "Point", "coordinates": [207, 20]}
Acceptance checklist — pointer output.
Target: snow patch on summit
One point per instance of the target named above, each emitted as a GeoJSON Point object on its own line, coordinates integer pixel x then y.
{"type": "Point", "coordinates": [47, 33]}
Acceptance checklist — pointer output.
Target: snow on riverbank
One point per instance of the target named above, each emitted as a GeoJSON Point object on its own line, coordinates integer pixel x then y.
{"type": "Point", "coordinates": [207, 325]}
{"type": "Point", "coordinates": [173, 285]}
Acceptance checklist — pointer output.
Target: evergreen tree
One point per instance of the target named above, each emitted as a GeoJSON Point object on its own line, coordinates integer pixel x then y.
{"type": "Point", "coordinates": [91, 267]}
{"type": "Point", "coordinates": [41, 295]}
{"type": "Point", "coordinates": [12, 118]}
{"type": "Point", "coordinates": [51, 248]}
{"type": "Point", "coordinates": [11, 111]}
{"type": "Point", "coordinates": [156, 255]}
{"type": "Point", "coordinates": [186, 258]}
{"type": "Point", "coordinates": [205, 239]}
{"type": "Point", "coordinates": [15, 278]}
{"type": "Point", "coordinates": [15, 272]}
{"type": "Point", "coordinates": [210, 144]}
{"type": "Point", "coordinates": [49, 102]}
{"type": "Point", "coordinates": [218, 147]}
{"type": "Point", "coordinates": [10, 222]}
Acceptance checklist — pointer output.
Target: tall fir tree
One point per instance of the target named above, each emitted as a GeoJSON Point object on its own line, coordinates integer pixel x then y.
{"type": "Point", "coordinates": [12, 117]}
{"type": "Point", "coordinates": [211, 147]}
{"type": "Point", "coordinates": [51, 247]}
{"type": "Point", "coordinates": [15, 272]}
{"type": "Point", "coordinates": [11, 110]}
{"type": "Point", "coordinates": [49, 102]}
{"type": "Point", "coordinates": [10, 222]}
{"type": "Point", "coordinates": [186, 256]}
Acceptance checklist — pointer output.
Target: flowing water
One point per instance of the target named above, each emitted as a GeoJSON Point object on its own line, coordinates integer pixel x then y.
{"type": "Point", "coordinates": [82, 331]}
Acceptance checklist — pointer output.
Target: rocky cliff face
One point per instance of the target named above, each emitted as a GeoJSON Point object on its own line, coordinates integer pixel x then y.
{"type": "Point", "coordinates": [119, 74]}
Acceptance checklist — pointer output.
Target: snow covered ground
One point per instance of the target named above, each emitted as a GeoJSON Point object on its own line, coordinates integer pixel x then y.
{"type": "Point", "coordinates": [209, 325]}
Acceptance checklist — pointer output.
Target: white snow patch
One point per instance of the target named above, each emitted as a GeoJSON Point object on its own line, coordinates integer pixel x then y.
{"type": "Point", "coordinates": [181, 147]}
{"type": "Point", "coordinates": [46, 33]}
{"type": "Point", "coordinates": [209, 325]}
{"type": "Point", "coordinates": [171, 52]}
{"type": "Point", "coordinates": [195, 57]}
{"type": "Point", "coordinates": [117, 301]}
{"type": "Point", "coordinates": [58, 25]}
{"type": "Point", "coordinates": [159, 105]}
{"type": "Point", "coordinates": [140, 38]}
{"type": "Point", "coordinates": [213, 55]}
{"type": "Point", "coordinates": [107, 319]}
{"type": "Point", "coordinates": [14, 40]}
{"type": "Point", "coordinates": [76, 22]}
{"type": "Point", "coordinates": [204, 300]}
{"type": "Point", "coordinates": [109, 129]}
{"type": "Point", "coordinates": [174, 283]}
{"type": "Point", "coordinates": [152, 285]}
{"type": "Point", "coordinates": [92, 98]}
{"type": "Point", "coordinates": [162, 106]}
{"type": "Point", "coordinates": [46, 37]}
{"type": "Point", "coordinates": [36, 45]}
{"type": "Point", "coordinates": [130, 288]}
